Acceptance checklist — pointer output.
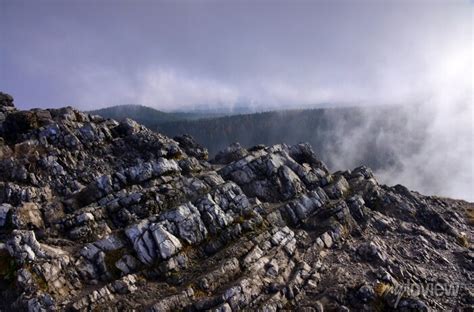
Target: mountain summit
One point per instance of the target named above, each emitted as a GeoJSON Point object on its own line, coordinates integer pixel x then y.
{"type": "Point", "coordinates": [103, 215]}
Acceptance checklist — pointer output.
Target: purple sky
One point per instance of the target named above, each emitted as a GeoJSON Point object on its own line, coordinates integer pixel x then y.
{"type": "Point", "coordinates": [175, 54]}
{"type": "Point", "coordinates": [203, 54]}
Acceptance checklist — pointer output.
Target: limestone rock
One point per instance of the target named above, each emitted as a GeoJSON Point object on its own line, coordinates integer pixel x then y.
{"type": "Point", "coordinates": [191, 147]}
{"type": "Point", "coordinates": [102, 215]}
{"type": "Point", "coordinates": [23, 246]}
{"type": "Point", "coordinates": [6, 100]}
{"type": "Point", "coordinates": [230, 154]}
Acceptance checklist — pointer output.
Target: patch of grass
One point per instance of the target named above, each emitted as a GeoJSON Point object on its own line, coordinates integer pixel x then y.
{"type": "Point", "coordinates": [346, 231]}
{"type": "Point", "coordinates": [198, 292]}
{"type": "Point", "coordinates": [173, 274]}
{"type": "Point", "coordinates": [381, 290]}
{"type": "Point", "coordinates": [463, 240]}
{"type": "Point", "coordinates": [177, 156]}
{"type": "Point", "coordinates": [239, 220]}
{"type": "Point", "coordinates": [187, 248]}
{"type": "Point", "coordinates": [39, 281]}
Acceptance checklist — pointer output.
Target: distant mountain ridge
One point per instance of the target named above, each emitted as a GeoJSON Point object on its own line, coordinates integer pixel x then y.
{"type": "Point", "coordinates": [146, 115]}
{"type": "Point", "coordinates": [151, 117]}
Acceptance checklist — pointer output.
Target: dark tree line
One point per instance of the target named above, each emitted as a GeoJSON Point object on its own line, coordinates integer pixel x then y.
{"type": "Point", "coordinates": [376, 137]}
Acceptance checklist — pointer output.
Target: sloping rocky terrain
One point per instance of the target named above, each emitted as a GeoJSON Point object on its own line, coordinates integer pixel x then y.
{"type": "Point", "coordinates": [107, 216]}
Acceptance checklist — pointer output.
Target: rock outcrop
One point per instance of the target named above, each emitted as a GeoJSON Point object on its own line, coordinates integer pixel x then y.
{"type": "Point", "coordinates": [102, 215]}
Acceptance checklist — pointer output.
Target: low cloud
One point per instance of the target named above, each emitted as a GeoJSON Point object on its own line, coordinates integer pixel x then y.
{"type": "Point", "coordinates": [282, 55]}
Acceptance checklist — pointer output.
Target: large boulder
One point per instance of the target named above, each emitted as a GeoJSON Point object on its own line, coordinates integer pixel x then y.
{"type": "Point", "coordinates": [231, 153]}
{"type": "Point", "coordinates": [6, 102]}
{"type": "Point", "coordinates": [271, 174]}
{"type": "Point", "coordinates": [191, 147]}
{"type": "Point", "coordinates": [153, 242]}
{"type": "Point", "coordinates": [20, 123]}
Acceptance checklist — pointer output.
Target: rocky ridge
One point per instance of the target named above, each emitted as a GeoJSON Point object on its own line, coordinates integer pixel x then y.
{"type": "Point", "coordinates": [97, 214]}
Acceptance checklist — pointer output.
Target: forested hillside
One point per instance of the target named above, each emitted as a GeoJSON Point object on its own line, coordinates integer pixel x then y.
{"type": "Point", "coordinates": [372, 135]}
{"type": "Point", "coordinates": [146, 115]}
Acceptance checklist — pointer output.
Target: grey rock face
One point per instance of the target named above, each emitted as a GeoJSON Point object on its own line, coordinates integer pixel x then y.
{"type": "Point", "coordinates": [167, 244]}
{"type": "Point", "coordinates": [103, 215]}
{"type": "Point", "coordinates": [271, 174]}
{"type": "Point", "coordinates": [128, 127]}
{"type": "Point", "coordinates": [186, 222]}
{"type": "Point", "coordinates": [338, 188]}
{"type": "Point", "coordinates": [6, 100]}
{"type": "Point", "coordinates": [230, 154]}
{"type": "Point", "coordinates": [23, 246]}
{"type": "Point", "coordinates": [191, 147]}
{"type": "Point", "coordinates": [308, 204]}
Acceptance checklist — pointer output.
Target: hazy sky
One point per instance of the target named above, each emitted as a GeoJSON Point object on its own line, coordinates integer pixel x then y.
{"type": "Point", "coordinates": [171, 54]}
{"type": "Point", "coordinates": [182, 54]}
